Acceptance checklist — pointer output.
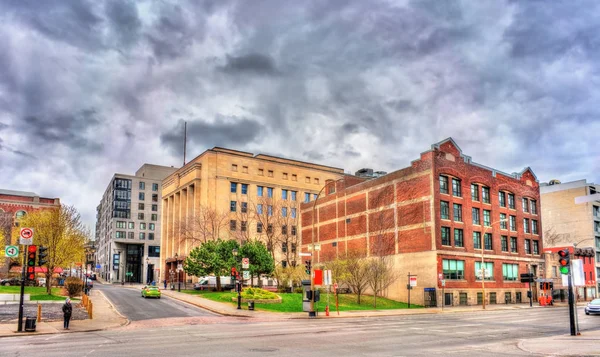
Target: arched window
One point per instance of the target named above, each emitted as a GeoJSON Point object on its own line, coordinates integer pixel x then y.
{"type": "Point", "coordinates": [20, 214]}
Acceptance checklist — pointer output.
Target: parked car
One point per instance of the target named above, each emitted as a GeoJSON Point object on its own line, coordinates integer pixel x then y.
{"type": "Point", "coordinates": [593, 307]}
{"type": "Point", "coordinates": [210, 282]}
{"type": "Point", "coordinates": [151, 291]}
{"type": "Point", "coordinates": [17, 282]}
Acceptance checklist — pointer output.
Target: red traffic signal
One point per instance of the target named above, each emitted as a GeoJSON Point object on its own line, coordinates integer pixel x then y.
{"type": "Point", "coordinates": [564, 261]}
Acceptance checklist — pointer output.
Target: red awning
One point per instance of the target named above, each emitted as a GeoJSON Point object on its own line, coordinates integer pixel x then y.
{"type": "Point", "coordinates": [17, 269]}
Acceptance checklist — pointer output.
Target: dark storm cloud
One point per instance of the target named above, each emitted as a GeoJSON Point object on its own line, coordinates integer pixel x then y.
{"type": "Point", "coordinates": [251, 63]}
{"type": "Point", "coordinates": [123, 16]}
{"type": "Point", "coordinates": [226, 132]}
{"type": "Point", "coordinates": [174, 32]}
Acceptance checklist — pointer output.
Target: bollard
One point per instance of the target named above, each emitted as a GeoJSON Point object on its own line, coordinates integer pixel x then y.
{"type": "Point", "coordinates": [327, 310]}
{"type": "Point", "coordinates": [39, 316]}
{"type": "Point", "coordinates": [90, 309]}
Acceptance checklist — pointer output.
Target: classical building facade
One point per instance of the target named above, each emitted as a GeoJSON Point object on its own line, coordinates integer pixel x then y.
{"type": "Point", "coordinates": [441, 220]}
{"type": "Point", "coordinates": [13, 206]}
{"type": "Point", "coordinates": [227, 194]}
{"type": "Point", "coordinates": [571, 215]}
{"type": "Point", "coordinates": [128, 226]}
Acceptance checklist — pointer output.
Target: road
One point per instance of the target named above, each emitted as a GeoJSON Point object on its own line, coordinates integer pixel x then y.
{"type": "Point", "coordinates": [131, 304]}
{"type": "Point", "coordinates": [484, 333]}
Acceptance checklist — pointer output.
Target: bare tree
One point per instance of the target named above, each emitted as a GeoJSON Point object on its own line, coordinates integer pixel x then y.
{"type": "Point", "coordinates": [244, 218]}
{"type": "Point", "coordinates": [207, 224]}
{"type": "Point", "coordinates": [267, 212]}
{"type": "Point", "coordinates": [6, 224]}
{"type": "Point", "coordinates": [355, 273]}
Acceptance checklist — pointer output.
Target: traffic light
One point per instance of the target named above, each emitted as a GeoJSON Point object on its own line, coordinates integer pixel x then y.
{"type": "Point", "coordinates": [42, 254]}
{"type": "Point", "coordinates": [564, 261]}
{"type": "Point", "coordinates": [307, 266]}
{"type": "Point", "coordinates": [31, 253]}
{"type": "Point", "coordinates": [233, 273]}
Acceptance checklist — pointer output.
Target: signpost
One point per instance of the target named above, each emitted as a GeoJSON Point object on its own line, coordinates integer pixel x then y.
{"type": "Point", "coordinates": [26, 236]}
{"type": "Point", "coordinates": [412, 282]}
{"type": "Point", "coordinates": [11, 251]}
{"type": "Point", "coordinates": [245, 263]}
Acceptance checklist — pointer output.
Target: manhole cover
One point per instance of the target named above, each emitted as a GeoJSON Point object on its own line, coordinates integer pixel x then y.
{"type": "Point", "coordinates": [263, 350]}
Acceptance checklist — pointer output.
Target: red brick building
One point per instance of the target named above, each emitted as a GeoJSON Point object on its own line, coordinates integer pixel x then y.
{"type": "Point", "coordinates": [14, 205]}
{"type": "Point", "coordinates": [436, 219]}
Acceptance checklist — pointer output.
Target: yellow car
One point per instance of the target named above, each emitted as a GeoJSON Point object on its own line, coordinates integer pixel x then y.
{"type": "Point", "coordinates": [150, 291]}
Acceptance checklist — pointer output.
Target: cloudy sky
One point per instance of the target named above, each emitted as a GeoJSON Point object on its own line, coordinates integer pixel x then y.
{"type": "Point", "coordinates": [90, 88]}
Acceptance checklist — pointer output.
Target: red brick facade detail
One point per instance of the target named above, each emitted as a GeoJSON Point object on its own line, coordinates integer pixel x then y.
{"type": "Point", "coordinates": [356, 204]}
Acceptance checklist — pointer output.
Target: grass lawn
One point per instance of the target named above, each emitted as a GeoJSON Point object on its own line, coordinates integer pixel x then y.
{"type": "Point", "coordinates": [35, 292]}
{"type": "Point", "coordinates": [293, 302]}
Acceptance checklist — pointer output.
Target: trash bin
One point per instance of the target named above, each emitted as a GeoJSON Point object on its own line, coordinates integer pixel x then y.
{"type": "Point", "coordinates": [30, 324]}
{"type": "Point", "coordinates": [250, 305]}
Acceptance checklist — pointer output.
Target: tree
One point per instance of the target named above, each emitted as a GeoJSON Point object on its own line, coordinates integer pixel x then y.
{"type": "Point", "coordinates": [212, 257]}
{"type": "Point", "coordinates": [354, 273]}
{"type": "Point", "coordinates": [261, 261]}
{"type": "Point", "coordinates": [62, 232]}
{"type": "Point", "coordinates": [205, 225]}
{"type": "Point", "coordinates": [292, 275]}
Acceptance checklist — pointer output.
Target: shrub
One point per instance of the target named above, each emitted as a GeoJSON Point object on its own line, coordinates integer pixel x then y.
{"type": "Point", "coordinates": [299, 290]}
{"type": "Point", "coordinates": [258, 294]}
{"type": "Point", "coordinates": [74, 286]}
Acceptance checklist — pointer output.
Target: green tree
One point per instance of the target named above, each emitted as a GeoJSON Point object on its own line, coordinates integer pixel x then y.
{"type": "Point", "coordinates": [261, 260]}
{"type": "Point", "coordinates": [212, 257]}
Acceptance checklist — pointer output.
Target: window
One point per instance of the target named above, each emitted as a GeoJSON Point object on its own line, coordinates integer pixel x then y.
{"type": "Point", "coordinates": [306, 197]}
{"type": "Point", "coordinates": [486, 217]}
{"type": "Point", "coordinates": [285, 176]}
{"type": "Point", "coordinates": [443, 184]}
{"type": "Point", "coordinates": [502, 198]}
{"type": "Point", "coordinates": [293, 213]}
{"type": "Point", "coordinates": [446, 236]}
{"type": "Point", "coordinates": [458, 238]}
{"type": "Point", "coordinates": [510, 272]}
{"type": "Point", "coordinates": [474, 192]}
{"type": "Point", "coordinates": [130, 235]}
{"type": "Point", "coordinates": [485, 194]}
{"type": "Point", "coordinates": [141, 196]}
{"type": "Point", "coordinates": [513, 223]}
{"type": "Point", "coordinates": [20, 214]}
{"type": "Point", "coordinates": [457, 210]}
{"type": "Point", "coordinates": [269, 210]}
{"type": "Point", "coordinates": [293, 230]}
{"type": "Point", "coordinates": [316, 181]}
{"type": "Point", "coordinates": [330, 187]}
{"type": "Point", "coordinates": [233, 167]}
{"type": "Point", "coordinates": [140, 216]}
{"type": "Point", "coordinates": [526, 225]}
{"type": "Point", "coordinates": [536, 247]}
{"type": "Point", "coordinates": [503, 221]}
{"type": "Point", "coordinates": [294, 177]}
{"type": "Point", "coordinates": [453, 269]}
{"type": "Point", "coordinates": [314, 196]}
{"type": "Point", "coordinates": [154, 217]}
{"type": "Point", "coordinates": [120, 224]}
{"type": "Point", "coordinates": [527, 246]}
{"type": "Point", "coordinates": [259, 208]}
{"type": "Point", "coordinates": [232, 206]}
{"type": "Point", "coordinates": [525, 205]}
{"type": "Point", "coordinates": [233, 188]}
{"type": "Point", "coordinates": [456, 190]}
{"type": "Point", "coordinates": [154, 208]}
{"type": "Point", "coordinates": [259, 227]}
{"type": "Point", "coordinates": [232, 225]}
{"type": "Point", "coordinates": [294, 193]}
{"type": "Point", "coordinates": [475, 213]}
{"type": "Point", "coordinates": [154, 251]}
{"type": "Point", "coordinates": [119, 234]}
{"type": "Point", "coordinates": [284, 211]}
{"type": "Point", "coordinates": [270, 229]}
{"type": "Point", "coordinates": [244, 207]}
{"type": "Point", "coordinates": [513, 244]}
{"type": "Point", "coordinates": [487, 241]}
{"type": "Point", "coordinates": [142, 185]}
{"type": "Point", "coordinates": [307, 179]}
{"type": "Point", "coordinates": [259, 191]}
{"type": "Point", "coordinates": [142, 235]}
{"type": "Point", "coordinates": [284, 247]}
{"type": "Point", "coordinates": [141, 206]}
{"type": "Point", "coordinates": [131, 225]}
{"type": "Point", "coordinates": [270, 173]}
{"type": "Point", "coordinates": [243, 226]}
{"type": "Point", "coordinates": [534, 226]}
{"type": "Point", "coordinates": [476, 240]}
{"type": "Point", "coordinates": [284, 230]}
{"type": "Point", "coordinates": [245, 169]}
{"type": "Point", "coordinates": [489, 270]}
{"type": "Point", "coordinates": [244, 189]}
{"type": "Point", "coordinates": [142, 225]}
{"type": "Point", "coordinates": [284, 194]}
{"type": "Point", "coordinates": [270, 192]}
{"type": "Point", "coordinates": [444, 208]}
{"type": "Point", "coordinates": [504, 242]}
{"type": "Point", "coordinates": [150, 236]}
{"type": "Point", "coordinates": [511, 201]}
{"type": "Point", "coordinates": [533, 206]}
{"type": "Point", "coordinates": [154, 187]}
{"type": "Point", "coordinates": [155, 198]}
{"type": "Point", "coordinates": [554, 271]}
{"type": "Point", "coordinates": [151, 226]}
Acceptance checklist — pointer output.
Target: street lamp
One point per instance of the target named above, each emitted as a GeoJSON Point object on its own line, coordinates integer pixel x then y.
{"type": "Point", "coordinates": [238, 283]}
{"type": "Point", "coordinates": [178, 272]}
{"type": "Point", "coordinates": [482, 261]}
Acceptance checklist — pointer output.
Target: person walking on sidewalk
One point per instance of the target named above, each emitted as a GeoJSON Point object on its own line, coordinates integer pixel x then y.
{"type": "Point", "coordinates": [67, 311]}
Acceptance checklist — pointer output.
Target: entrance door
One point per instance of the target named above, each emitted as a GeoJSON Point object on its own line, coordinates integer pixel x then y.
{"type": "Point", "coordinates": [150, 273]}
{"type": "Point", "coordinates": [448, 299]}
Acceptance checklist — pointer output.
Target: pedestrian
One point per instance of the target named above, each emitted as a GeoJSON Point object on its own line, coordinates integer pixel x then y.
{"type": "Point", "coordinates": [165, 282]}
{"type": "Point", "coordinates": [67, 311]}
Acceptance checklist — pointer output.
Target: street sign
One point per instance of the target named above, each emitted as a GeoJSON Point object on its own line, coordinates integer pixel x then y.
{"type": "Point", "coordinates": [26, 236]}
{"type": "Point", "coordinates": [443, 282]}
{"type": "Point", "coordinates": [327, 277]}
{"type": "Point", "coordinates": [335, 286]}
{"type": "Point", "coordinates": [305, 254]}
{"type": "Point", "coordinates": [246, 274]}
{"type": "Point", "coordinates": [98, 266]}
{"type": "Point", "coordinates": [245, 263]}
{"type": "Point", "coordinates": [317, 247]}
{"type": "Point", "coordinates": [179, 267]}
{"type": "Point", "coordinates": [11, 251]}
{"type": "Point", "coordinates": [413, 281]}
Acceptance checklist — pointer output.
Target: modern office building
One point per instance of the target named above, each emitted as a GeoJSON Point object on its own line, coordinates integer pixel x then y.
{"type": "Point", "coordinates": [451, 224]}
{"type": "Point", "coordinates": [571, 216]}
{"type": "Point", "coordinates": [13, 206]}
{"type": "Point", "coordinates": [128, 226]}
{"type": "Point", "coordinates": [225, 193]}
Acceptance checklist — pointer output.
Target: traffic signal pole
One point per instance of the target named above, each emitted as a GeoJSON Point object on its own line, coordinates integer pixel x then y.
{"type": "Point", "coordinates": [571, 306]}
{"type": "Point", "coordinates": [20, 324]}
